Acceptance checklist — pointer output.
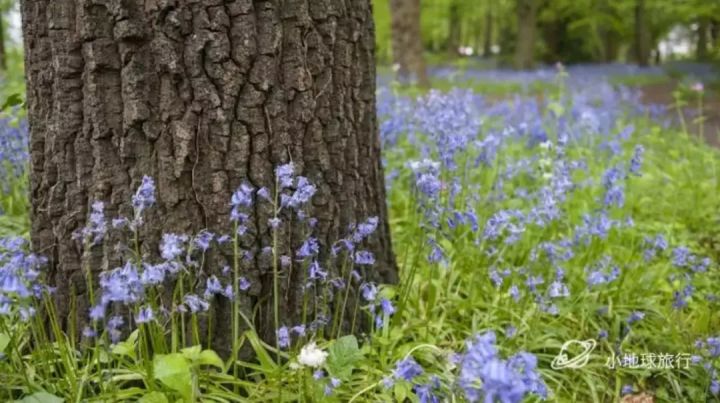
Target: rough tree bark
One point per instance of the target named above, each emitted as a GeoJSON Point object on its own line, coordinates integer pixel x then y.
{"type": "Point", "coordinates": [642, 40]}
{"type": "Point", "coordinates": [407, 46]}
{"type": "Point", "coordinates": [203, 96]}
{"type": "Point", "coordinates": [525, 44]}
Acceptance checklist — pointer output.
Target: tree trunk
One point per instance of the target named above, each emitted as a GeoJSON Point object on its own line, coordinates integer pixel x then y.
{"type": "Point", "coordinates": [642, 35]}
{"type": "Point", "coordinates": [3, 60]}
{"type": "Point", "coordinates": [454, 29]}
{"type": "Point", "coordinates": [525, 46]}
{"type": "Point", "coordinates": [203, 96]}
{"type": "Point", "coordinates": [702, 39]}
{"type": "Point", "coordinates": [487, 37]}
{"type": "Point", "coordinates": [407, 42]}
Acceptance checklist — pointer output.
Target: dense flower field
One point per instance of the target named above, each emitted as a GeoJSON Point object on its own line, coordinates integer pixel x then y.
{"type": "Point", "coordinates": [519, 225]}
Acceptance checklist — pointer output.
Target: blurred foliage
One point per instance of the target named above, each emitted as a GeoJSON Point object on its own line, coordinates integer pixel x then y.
{"type": "Point", "coordinates": [570, 31]}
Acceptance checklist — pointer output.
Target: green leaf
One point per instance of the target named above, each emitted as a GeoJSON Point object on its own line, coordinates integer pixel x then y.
{"type": "Point", "coordinates": [41, 397]}
{"type": "Point", "coordinates": [209, 357]}
{"type": "Point", "coordinates": [191, 353]}
{"type": "Point", "coordinates": [4, 341]}
{"type": "Point", "coordinates": [127, 347]}
{"type": "Point", "coordinates": [153, 397]}
{"type": "Point", "coordinates": [10, 101]}
{"type": "Point", "coordinates": [173, 370]}
{"type": "Point", "coordinates": [343, 354]}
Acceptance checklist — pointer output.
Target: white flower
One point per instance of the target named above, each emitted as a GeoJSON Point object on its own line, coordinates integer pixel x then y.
{"type": "Point", "coordinates": [312, 356]}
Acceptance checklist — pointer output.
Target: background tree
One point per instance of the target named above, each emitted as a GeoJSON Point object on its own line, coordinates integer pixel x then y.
{"type": "Point", "coordinates": [203, 96]}
{"type": "Point", "coordinates": [407, 45]}
{"type": "Point", "coordinates": [526, 33]}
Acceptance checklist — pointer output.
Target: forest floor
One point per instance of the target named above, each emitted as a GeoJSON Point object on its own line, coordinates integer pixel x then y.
{"type": "Point", "coordinates": [662, 94]}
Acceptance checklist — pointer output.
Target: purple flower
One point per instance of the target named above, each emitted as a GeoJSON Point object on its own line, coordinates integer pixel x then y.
{"type": "Point", "coordinates": [145, 315]}
{"type": "Point", "coordinates": [244, 284]}
{"type": "Point", "coordinates": [203, 239]}
{"type": "Point", "coordinates": [284, 174]}
{"type": "Point", "coordinates": [387, 307]}
{"type": "Point", "coordinates": [364, 258]}
{"type": "Point", "coordinates": [407, 369]}
{"type": "Point", "coordinates": [97, 226]}
{"type": "Point", "coordinates": [309, 248]}
{"type": "Point", "coordinates": [212, 287]}
{"type": "Point", "coordinates": [144, 197]}
{"type": "Point", "coordinates": [636, 160]}
{"type": "Point", "coordinates": [369, 291]}
{"type": "Point", "coordinates": [283, 336]}
{"type": "Point", "coordinates": [635, 316]}
{"type": "Point", "coordinates": [195, 304]}
{"type": "Point", "coordinates": [171, 246]}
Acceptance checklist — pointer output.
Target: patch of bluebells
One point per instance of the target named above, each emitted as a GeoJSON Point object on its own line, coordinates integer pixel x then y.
{"type": "Point", "coordinates": [486, 376]}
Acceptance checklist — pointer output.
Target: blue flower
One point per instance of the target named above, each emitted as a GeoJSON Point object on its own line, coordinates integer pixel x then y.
{"type": "Point", "coordinates": [309, 248]}
{"type": "Point", "coordinates": [144, 196]}
{"type": "Point", "coordinates": [364, 258]}
{"type": "Point", "coordinates": [387, 307]}
{"type": "Point", "coordinates": [171, 246]}
{"type": "Point", "coordinates": [635, 316]}
{"type": "Point", "coordinates": [283, 337]}
{"type": "Point", "coordinates": [407, 369]}
{"type": "Point", "coordinates": [145, 315]}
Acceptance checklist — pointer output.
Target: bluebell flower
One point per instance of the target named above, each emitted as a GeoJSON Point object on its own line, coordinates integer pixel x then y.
{"type": "Point", "coordinates": [635, 316]}
{"type": "Point", "coordinates": [387, 306]}
{"type": "Point", "coordinates": [145, 315]}
{"type": "Point", "coordinates": [558, 290]}
{"type": "Point", "coordinates": [195, 304]}
{"type": "Point", "coordinates": [97, 312]}
{"type": "Point", "coordinates": [309, 248]}
{"type": "Point", "coordinates": [364, 258]}
{"type": "Point", "coordinates": [171, 246]}
{"type": "Point", "coordinates": [96, 228]}
{"type": "Point", "coordinates": [603, 334]}
{"type": "Point", "coordinates": [365, 229]}
{"type": "Point", "coordinates": [627, 389]}
{"type": "Point", "coordinates": [425, 393]}
{"type": "Point", "coordinates": [243, 284]}
{"type": "Point", "coordinates": [283, 337]}
{"type": "Point", "coordinates": [369, 291]}
{"type": "Point", "coordinates": [153, 274]}
{"type": "Point", "coordinates": [284, 174]}
{"type": "Point", "coordinates": [407, 369]}
{"type": "Point", "coordinates": [636, 160]}
{"type": "Point", "coordinates": [144, 196]}
{"type": "Point", "coordinates": [212, 287]}
{"type": "Point", "coordinates": [203, 239]}
{"type": "Point", "coordinates": [682, 256]}
{"type": "Point", "coordinates": [318, 374]}
{"type": "Point", "coordinates": [514, 292]}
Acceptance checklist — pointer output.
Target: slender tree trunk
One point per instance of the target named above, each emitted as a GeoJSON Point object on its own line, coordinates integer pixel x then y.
{"type": "Point", "coordinates": [487, 37]}
{"type": "Point", "coordinates": [642, 35]}
{"type": "Point", "coordinates": [702, 39]}
{"type": "Point", "coordinates": [525, 46]}
{"type": "Point", "coordinates": [454, 29]}
{"type": "Point", "coordinates": [203, 96]}
{"type": "Point", "coordinates": [3, 59]}
{"type": "Point", "coordinates": [407, 42]}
